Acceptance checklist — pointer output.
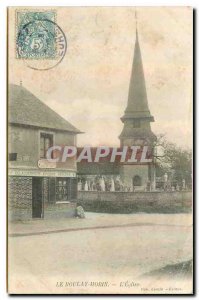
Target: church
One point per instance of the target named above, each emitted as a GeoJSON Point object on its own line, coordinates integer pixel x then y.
{"type": "Point", "coordinates": [136, 131]}
{"type": "Point", "coordinates": [137, 125]}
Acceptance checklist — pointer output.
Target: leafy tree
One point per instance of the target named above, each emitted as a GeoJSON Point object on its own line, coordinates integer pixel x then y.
{"type": "Point", "coordinates": [173, 159]}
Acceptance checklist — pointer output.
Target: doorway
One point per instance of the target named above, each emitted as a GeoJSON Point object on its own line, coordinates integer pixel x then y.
{"type": "Point", "coordinates": [37, 197]}
{"type": "Point", "coordinates": [137, 181]}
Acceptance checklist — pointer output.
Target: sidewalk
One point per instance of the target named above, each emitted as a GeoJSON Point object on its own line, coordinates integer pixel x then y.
{"type": "Point", "coordinates": [96, 221]}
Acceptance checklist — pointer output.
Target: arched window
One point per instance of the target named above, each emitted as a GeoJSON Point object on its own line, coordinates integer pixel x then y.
{"type": "Point", "coordinates": [137, 181]}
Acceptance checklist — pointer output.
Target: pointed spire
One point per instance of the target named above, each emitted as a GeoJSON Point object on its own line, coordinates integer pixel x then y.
{"type": "Point", "coordinates": [137, 116]}
{"type": "Point", "coordinates": [136, 24]}
{"type": "Point", "coordinates": [136, 34]}
{"type": "Point", "coordinates": [137, 106]}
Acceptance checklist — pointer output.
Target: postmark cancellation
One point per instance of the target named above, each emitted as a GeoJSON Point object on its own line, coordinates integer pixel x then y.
{"type": "Point", "coordinates": [39, 38]}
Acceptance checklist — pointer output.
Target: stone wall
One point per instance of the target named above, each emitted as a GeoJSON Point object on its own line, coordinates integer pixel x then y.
{"type": "Point", "coordinates": [129, 171]}
{"type": "Point", "coordinates": [129, 202]}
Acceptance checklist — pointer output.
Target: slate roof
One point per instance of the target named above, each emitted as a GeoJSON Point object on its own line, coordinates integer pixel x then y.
{"type": "Point", "coordinates": [26, 109]}
{"type": "Point", "coordinates": [106, 168]}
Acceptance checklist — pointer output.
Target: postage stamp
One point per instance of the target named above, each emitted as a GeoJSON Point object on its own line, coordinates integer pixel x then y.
{"type": "Point", "coordinates": [36, 34]}
{"type": "Point", "coordinates": [39, 40]}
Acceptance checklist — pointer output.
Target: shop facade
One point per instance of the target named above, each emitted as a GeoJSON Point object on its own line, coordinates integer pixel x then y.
{"type": "Point", "coordinates": [37, 189]}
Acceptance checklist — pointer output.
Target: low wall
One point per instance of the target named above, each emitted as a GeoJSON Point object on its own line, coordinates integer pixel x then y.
{"type": "Point", "coordinates": [129, 202]}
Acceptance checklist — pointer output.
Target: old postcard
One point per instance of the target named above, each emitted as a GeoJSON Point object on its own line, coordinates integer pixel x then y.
{"type": "Point", "coordinates": [100, 150]}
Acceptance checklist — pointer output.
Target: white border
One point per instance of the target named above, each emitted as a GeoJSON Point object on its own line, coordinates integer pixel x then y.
{"type": "Point", "coordinates": [3, 5]}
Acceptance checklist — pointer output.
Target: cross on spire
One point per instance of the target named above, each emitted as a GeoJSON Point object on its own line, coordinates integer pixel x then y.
{"type": "Point", "coordinates": [137, 116]}
{"type": "Point", "coordinates": [136, 22]}
{"type": "Point", "coordinates": [137, 105]}
{"type": "Point", "coordinates": [136, 18]}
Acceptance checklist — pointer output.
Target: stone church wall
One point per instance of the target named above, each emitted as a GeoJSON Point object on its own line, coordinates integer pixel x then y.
{"type": "Point", "coordinates": [128, 172]}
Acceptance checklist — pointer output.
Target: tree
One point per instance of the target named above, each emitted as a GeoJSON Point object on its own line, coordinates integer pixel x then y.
{"type": "Point", "coordinates": [173, 159]}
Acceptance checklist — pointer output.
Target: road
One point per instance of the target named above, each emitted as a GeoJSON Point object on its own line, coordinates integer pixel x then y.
{"type": "Point", "coordinates": [103, 260]}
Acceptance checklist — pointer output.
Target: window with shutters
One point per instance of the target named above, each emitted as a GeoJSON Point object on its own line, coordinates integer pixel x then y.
{"type": "Point", "coordinates": [46, 141]}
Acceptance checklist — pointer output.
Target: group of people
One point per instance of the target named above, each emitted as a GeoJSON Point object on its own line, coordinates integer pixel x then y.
{"type": "Point", "coordinates": [100, 183]}
{"type": "Point", "coordinates": [114, 183]}
{"type": "Point", "coordinates": [105, 184]}
{"type": "Point", "coordinates": [171, 186]}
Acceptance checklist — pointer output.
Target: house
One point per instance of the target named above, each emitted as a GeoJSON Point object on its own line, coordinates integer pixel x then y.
{"type": "Point", "coordinates": [35, 192]}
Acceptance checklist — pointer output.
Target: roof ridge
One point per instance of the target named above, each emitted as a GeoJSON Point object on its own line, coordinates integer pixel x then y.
{"type": "Point", "coordinates": [46, 120]}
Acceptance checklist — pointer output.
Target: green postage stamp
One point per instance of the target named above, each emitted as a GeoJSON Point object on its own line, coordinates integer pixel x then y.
{"type": "Point", "coordinates": [36, 34]}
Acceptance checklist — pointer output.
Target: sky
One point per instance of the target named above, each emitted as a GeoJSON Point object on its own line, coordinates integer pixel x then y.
{"type": "Point", "coordinates": [89, 88]}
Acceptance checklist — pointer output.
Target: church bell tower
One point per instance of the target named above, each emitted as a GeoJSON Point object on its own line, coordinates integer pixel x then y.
{"type": "Point", "coordinates": [137, 126]}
